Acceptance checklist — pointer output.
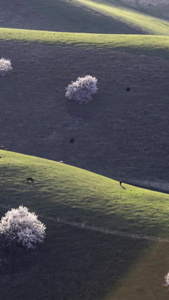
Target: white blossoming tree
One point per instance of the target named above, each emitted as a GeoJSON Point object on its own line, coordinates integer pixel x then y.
{"type": "Point", "coordinates": [166, 279]}
{"type": "Point", "coordinates": [5, 66]}
{"type": "Point", "coordinates": [82, 89]}
{"type": "Point", "coordinates": [21, 227]}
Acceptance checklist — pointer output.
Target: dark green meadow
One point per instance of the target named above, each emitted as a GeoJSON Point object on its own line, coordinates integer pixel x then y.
{"type": "Point", "coordinates": [73, 264]}
{"type": "Point", "coordinates": [122, 134]}
{"type": "Point", "coordinates": [77, 263]}
{"type": "Point", "coordinates": [58, 15]}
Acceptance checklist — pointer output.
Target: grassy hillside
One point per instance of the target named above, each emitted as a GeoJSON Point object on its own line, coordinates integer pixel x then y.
{"type": "Point", "coordinates": [141, 43]}
{"type": "Point", "coordinates": [155, 8]}
{"type": "Point", "coordinates": [138, 283]}
{"type": "Point", "coordinates": [14, 14]}
{"type": "Point", "coordinates": [78, 195]}
{"type": "Point", "coordinates": [133, 143]}
{"type": "Point", "coordinates": [133, 19]}
{"type": "Point", "coordinates": [57, 16]}
{"type": "Point", "coordinates": [81, 16]}
{"type": "Point", "coordinates": [76, 263]}
{"type": "Point", "coordinates": [93, 252]}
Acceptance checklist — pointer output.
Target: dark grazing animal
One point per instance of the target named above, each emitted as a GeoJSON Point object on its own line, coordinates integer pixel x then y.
{"type": "Point", "coordinates": [122, 185]}
{"type": "Point", "coordinates": [29, 179]}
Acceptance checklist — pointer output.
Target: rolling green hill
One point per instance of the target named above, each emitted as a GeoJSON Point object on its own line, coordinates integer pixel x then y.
{"type": "Point", "coordinates": [133, 143]}
{"type": "Point", "coordinates": [142, 43]}
{"type": "Point", "coordinates": [81, 16]}
{"type": "Point", "coordinates": [103, 240]}
{"type": "Point", "coordinates": [57, 16]}
{"type": "Point", "coordinates": [133, 19]}
{"type": "Point", "coordinates": [77, 263]}
{"type": "Point", "coordinates": [78, 195]}
{"type": "Point", "coordinates": [154, 8]}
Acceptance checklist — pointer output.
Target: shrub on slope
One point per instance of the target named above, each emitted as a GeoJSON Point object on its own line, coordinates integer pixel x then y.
{"type": "Point", "coordinates": [82, 89]}
{"type": "Point", "coordinates": [20, 227]}
{"type": "Point", "coordinates": [5, 66]}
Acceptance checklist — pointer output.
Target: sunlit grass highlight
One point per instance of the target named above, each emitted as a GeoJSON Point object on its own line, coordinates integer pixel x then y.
{"type": "Point", "coordinates": [141, 21]}
{"type": "Point", "coordinates": [82, 196]}
{"type": "Point", "coordinates": [136, 42]}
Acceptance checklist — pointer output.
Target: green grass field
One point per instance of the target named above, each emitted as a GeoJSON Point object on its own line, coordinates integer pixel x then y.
{"type": "Point", "coordinates": [145, 23]}
{"type": "Point", "coordinates": [155, 8]}
{"type": "Point", "coordinates": [58, 15]}
{"type": "Point", "coordinates": [141, 43]}
{"type": "Point", "coordinates": [126, 18]}
{"type": "Point", "coordinates": [79, 195]}
{"type": "Point", "coordinates": [83, 16]}
{"type": "Point", "coordinates": [135, 122]}
{"type": "Point", "coordinates": [122, 134]}
{"type": "Point", "coordinates": [80, 264]}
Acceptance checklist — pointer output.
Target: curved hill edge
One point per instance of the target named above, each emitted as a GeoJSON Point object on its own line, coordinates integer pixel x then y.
{"type": "Point", "coordinates": [78, 195]}
{"type": "Point", "coordinates": [115, 41]}
{"type": "Point", "coordinates": [144, 22]}
{"type": "Point", "coordinates": [60, 15]}
{"type": "Point", "coordinates": [124, 19]}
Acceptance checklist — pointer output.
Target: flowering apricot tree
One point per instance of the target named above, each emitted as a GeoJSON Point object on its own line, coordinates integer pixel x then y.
{"type": "Point", "coordinates": [5, 66]}
{"type": "Point", "coordinates": [166, 279]}
{"type": "Point", "coordinates": [82, 89]}
{"type": "Point", "coordinates": [21, 227]}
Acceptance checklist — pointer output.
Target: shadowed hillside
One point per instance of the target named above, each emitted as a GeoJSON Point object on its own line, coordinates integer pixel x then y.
{"type": "Point", "coordinates": [157, 8]}
{"type": "Point", "coordinates": [106, 240]}
{"type": "Point", "coordinates": [81, 16]}
{"type": "Point", "coordinates": [120, 134]}
{"type": "Point", "coordinates": [57, 15]}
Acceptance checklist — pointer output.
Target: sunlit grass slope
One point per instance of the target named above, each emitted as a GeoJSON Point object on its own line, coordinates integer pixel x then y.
{"type": "Point", "coordinates": [141, 21]}
{"type": "Point", "coordinates": [154, 8]}
{"type": "Point", "coordinates": [136, 42]}
{"type": "Point", "coordinates": [145, 280]}
{"type": "Point", "coordinates": [70, 16]}
{"type": "Point", "coordinates": [65, 12]}
{"type": "Point", "coordinates": [78, 195]}
{"type": "Point", "coordinates": [74, 263]}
